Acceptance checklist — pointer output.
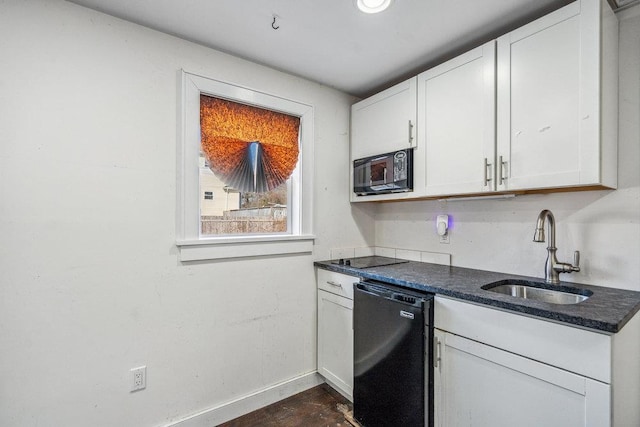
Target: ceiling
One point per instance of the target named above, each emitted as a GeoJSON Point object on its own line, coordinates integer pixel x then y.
{"type": "Point", "coordinates": [331, 41]}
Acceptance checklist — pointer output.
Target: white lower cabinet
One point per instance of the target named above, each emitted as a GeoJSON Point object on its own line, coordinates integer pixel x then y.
{"type": "Point", "coordinates": [495, 368]}
{"type": "Point", "coordinates": [481, 385]}
{"type": "Point", "coordinates": [335, 330]}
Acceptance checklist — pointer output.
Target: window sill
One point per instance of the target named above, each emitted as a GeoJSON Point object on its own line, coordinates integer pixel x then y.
{"type": "Point", "coordinates": [243, 247]}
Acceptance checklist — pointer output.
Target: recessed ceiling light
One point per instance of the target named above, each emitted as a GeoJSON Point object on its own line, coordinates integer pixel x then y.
{"type": "Point", "coordinates": [372, 6]}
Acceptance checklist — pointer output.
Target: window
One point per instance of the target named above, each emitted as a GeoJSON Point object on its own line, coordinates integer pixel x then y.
{"type": "Point", "coordinates": [251, 151]}
{"type": "Point", "coordinates": [191, 241]}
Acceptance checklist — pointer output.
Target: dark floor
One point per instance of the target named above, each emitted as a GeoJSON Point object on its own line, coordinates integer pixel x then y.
{"type": "Point", "coordinates": [319, 406]}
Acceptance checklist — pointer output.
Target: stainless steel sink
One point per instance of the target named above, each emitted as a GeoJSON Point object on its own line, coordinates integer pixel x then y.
{"type": "Point", "coordinates": [539, 291]}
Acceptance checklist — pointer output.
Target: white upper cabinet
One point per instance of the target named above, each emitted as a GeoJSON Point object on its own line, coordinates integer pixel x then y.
{"type": "Point", "coordinates": [384, 122]}
{"type": "Point", "coordinates": [534, 110]}
{"type": "Point", "coordinates": [557, 100]}
{"type": "Point", "coordinates": [456, 117]}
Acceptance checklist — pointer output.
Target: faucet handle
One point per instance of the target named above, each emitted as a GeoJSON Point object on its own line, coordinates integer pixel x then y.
{"type": "Point", "coordinates": [576, 261]}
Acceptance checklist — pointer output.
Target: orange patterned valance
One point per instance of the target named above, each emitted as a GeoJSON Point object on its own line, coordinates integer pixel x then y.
{"type": "Point", "coordinates": [248, 148]}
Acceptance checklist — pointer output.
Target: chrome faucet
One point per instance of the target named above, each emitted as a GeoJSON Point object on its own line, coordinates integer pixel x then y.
{"type": "Point", "coordinates": [552, 267]}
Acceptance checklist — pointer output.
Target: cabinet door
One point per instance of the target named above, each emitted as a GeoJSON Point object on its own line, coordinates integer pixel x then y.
{"type": "Point", "coordinates": [384, 122]}
{"type": "Point", "coordinates": [479, 385]}
{"type": "Point", "coordinates": [335, 341]}
{"type": "Point", "coordinates": [551, 94]}
{"type": "Point", "coordinates": [336, 283]}
{"type": "Point", "coordinates": [456, 113]}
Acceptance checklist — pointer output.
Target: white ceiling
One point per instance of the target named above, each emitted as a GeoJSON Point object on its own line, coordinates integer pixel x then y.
{"type": "Point", "coordinates": [330, 41]}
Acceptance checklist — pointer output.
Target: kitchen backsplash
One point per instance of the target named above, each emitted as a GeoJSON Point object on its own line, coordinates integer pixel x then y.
{"type": "Point", "coordinates": [411, 255]}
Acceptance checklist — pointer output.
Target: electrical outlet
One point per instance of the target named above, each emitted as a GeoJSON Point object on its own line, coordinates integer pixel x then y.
{"type": "Point", "coordinates": [138, 378]}
{"type": "Point", "coordinates": [442, 228]}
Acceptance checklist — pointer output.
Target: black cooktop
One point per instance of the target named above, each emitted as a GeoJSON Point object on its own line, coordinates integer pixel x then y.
{"type": "Point", "coordinates": [368, 261]}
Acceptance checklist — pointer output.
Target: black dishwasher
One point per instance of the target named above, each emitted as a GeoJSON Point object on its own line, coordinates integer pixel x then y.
{"type": "Point", "coordinates": [392, 368]}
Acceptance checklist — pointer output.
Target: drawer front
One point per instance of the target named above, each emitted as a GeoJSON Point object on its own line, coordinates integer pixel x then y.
{"type": "Point", "coordinates": [337, 283]}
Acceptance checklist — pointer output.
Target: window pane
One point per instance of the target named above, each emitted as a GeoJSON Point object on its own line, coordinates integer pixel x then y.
{"type": "Point", "coordinates": [231, 212]}
{"type": "Point", "coordinates": [247, 156]}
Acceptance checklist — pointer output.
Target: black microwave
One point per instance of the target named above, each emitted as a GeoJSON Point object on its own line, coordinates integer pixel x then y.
{"type": "Point", "coordinates": [384, 173]}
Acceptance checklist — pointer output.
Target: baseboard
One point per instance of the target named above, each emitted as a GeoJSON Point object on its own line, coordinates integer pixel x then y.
{"type": "Point", "coordinates": [235, 408]}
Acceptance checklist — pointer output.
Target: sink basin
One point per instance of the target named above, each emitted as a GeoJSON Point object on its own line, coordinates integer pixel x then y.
{"type": "Point", "coordinates": [539, 291]}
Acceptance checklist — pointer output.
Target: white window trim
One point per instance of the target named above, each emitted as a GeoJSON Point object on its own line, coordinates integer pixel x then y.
{"type": "Point", "coordinates": [193, 247]}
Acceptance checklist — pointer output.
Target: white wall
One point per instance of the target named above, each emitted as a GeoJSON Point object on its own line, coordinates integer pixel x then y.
{"type": "Point", "coordinates": [497, 234]}
{"type": "Point", "coordinates": [90, 284]}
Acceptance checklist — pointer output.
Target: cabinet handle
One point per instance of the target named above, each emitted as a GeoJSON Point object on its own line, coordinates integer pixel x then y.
{"type": "Point", "coordinates": [410, 133]}
{"type": "Point", "coordinates": [336, 284]}
{"type": "Point", "coordinates": [436, 352]}
{"type": "Point", "coordinates": [501, 178]}
{"type": "Point", "coordinates": [486, 175]}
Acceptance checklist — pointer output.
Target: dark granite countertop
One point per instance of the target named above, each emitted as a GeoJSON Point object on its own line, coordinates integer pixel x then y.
{"type": "Point", "coordinates": [607, 310]}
